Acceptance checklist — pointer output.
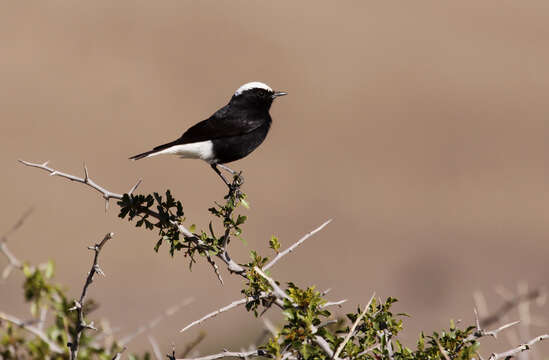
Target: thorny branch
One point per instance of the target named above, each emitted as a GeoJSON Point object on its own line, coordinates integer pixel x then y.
{"type": "Point", "coordinates": [221, 310]}
{"type": "Point", "coordinates": [107, 195]}
{"type": "Point", "coordinates": [509, 305]}
{"type": "Point", "coordinates": [266, 267]}
{"type": "Point", "coordinates": [518, 349]}
{"type": "Point", "coordinates": [281, 295]}
{"type": "Point", "coordinates": [190, 346]}
{"type": "Point", "coordinates": [480, 332]}
{"type": "Point", "coordinates": [154, 322]}
{"type": "Point", "coordinates": [226, 353]}
{"type": "Point", "coordinates": [14, 262]}
{"type": "Point", "coordinates": [33, 330]}
{"type": "Point", "coordinates": [78, 304]}
{"type": "Point", "coordinates": [353, 328]}
{"type": "Point", "coordinates": [233, 267]}
{"type": "Point", "coordinates": [295, 245]}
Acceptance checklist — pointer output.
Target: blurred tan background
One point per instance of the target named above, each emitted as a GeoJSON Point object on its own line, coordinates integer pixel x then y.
{"type": "Point", "coordinates": [419, 127]}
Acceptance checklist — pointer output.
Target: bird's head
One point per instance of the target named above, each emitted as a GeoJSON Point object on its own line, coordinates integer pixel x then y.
{"type": "Point", "coordinates": [256, 94]}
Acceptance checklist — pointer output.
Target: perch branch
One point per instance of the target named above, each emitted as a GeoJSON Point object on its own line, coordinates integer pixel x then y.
{"type": "Point", "coordinates": [107, 195]}
{"type": "Point", "coordinates": [33, 330]}
{"type": "Point", "coordinates": [78, 305]}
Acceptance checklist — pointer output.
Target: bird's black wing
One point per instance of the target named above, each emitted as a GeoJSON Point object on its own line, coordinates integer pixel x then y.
{"type": "Point", "coordinates": [225, 122]}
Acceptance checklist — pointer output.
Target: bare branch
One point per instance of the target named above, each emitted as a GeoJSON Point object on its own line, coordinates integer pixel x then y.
{"type": "Point", "coordinates": [154, 322]}
{"type": "Point", "coordinates": [442, 350]}
{"type": "Point", "coordinates": [78, 305]}
{"type": "Point", "coordinates": [509, 305]}
{"type": "Point", "coordinates": [281, 294]}
{"type": "Point", "coordinates": [215, 267]}
{"type": "Point", "coordinates": [190, 346]}
{"type": "Point", "coordinates": [332, 303]}
{"type": "Point", "coordinates": [155, 347]}
{"type": "Point", "coordinates": [281, 254]}
{"type": "Point", "coordinates": [232, 305]}
{"type": "Point", "coordinates": [33, 330]}
{"type": "Point", "coordinates": [107, 195]}
{"type": "Point", "coordinates": [224, 354]}
{"type": "Point", "coordinates": [14, 262]}
{"type": "Point", "coordinates": [481, 332]}
{"type": "Point", "coordinates": [519, 348]}
{"type": "Point", "coordinates": [353, 328]}
{"type": "Point", "coordinates": [135, 186]}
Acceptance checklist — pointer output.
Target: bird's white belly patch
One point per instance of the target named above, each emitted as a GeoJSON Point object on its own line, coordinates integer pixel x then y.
{"type": "Point", "coordinates": [198, 150]}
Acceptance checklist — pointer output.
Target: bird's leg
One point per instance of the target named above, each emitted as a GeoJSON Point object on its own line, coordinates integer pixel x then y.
{"type": "Point", "coordinates": [214, 167]}
{"type": "Point", "coordinates": [234, 173]}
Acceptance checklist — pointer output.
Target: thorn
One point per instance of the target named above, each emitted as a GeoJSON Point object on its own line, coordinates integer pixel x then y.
{"type": "Point", "coordinates": [44, 164]}
{"type": "Point", "coordinates": [7, 271]}
{"type": "Point", "coordinates": [53, 173]}
{"type": "Point", "coordinates": [106, 204]}
{"type": "Point", "coordinates": [86, 177]}
{"type": "Point", "coordinates": [89, 326]}
{"type": "Point", "coordinates": [76, 306]}
{"type": "Point", "coordinates": [135, 186]}
{"type": "Point", "coordinates": [98, 270]}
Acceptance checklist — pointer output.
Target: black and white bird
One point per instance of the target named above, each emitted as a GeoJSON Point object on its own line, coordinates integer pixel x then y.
{"type": "Point", "coordinates": [231, 133]}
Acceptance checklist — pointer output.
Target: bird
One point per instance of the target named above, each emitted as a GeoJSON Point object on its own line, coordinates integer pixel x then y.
{"type": "Point", "coordinates": [230, 134]}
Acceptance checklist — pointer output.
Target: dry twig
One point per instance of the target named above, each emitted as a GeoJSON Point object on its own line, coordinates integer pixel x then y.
{"type": "Point", "coordinates": [353, 328]}
{"type": "Point", "coordinates": [193, 344]}
{"type": "Point", "coordinates": [33, 330]}
{"type": "Point", "coordinates": [14, 262]}
{"type": "Point", "coordinates": [480, 332]}
{"type": "Point", "coordinates": [226, 353]}
{"type": "Point", "coordinates": [221, 310]}
{"type": "Point", "coordinates": [518, 349]}
{"type": "Point", "coordinates": [78, 304]}
{"type": "Point", "coordinates": [107, 195]}
{"type": "Point", "coordinates": [281, 254]}
{"type": "Point", "coordinates": [510, 304]}
{"type": "Point", "coordinates": [155, 347]}
{"type": "Point", "coordinates": [154, 322]}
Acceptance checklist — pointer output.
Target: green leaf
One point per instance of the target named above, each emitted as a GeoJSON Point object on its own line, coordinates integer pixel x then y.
{"type": "Point", "coordinates": [48, 272]}
{"type": "Point", "coordinates": [241, 219]}
{"type": "Point", "coordinates": [274, 243]}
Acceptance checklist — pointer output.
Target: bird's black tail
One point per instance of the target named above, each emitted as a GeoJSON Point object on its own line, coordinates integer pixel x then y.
{"type": "Point", "coordinates": [153, 151]}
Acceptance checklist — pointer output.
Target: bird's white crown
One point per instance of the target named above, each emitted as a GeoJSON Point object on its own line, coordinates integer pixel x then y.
{"type": "Point", "coordinates": [252, 85]}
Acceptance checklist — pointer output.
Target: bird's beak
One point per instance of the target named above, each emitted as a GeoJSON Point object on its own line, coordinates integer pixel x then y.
{"type": "Point", "coordinates": [279, 93]}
